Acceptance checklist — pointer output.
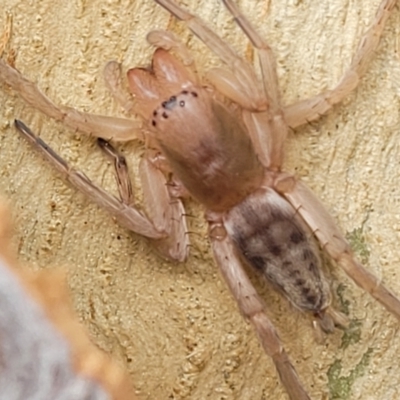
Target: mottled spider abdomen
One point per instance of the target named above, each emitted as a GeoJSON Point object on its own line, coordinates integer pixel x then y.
{"type": "Point", "coordinates": [271, 237]}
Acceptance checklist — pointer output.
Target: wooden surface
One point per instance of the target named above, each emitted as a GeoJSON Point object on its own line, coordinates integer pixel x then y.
{"type": "Point", "coordinates": [175, 327]}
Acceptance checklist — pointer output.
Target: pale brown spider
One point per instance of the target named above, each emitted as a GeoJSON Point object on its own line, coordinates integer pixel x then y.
{"type": "Point", "coordinates": [257, 214]}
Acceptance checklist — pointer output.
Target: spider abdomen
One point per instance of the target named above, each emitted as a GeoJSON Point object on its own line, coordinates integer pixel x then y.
{"type": "Point", "coordinates": [271, 237]}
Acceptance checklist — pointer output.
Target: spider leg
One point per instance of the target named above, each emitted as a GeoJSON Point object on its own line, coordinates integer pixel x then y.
{"type": "Point", "coordinates": [121, 171]}
{"type": "Point", "coordinates": [167, 233]}
{"type": "Point", "coordinates": [266, 57]}
{"type": "Point", "coordinates": [267, 129]}
{"type": "Point", "coordinates": [311, 109]}
{"type": "Point", "coordinates": [97, 125]}
{"type": "Point", "coordinates": [164, 207]}
{"type": "Point", "coordinates": [332, 240]}
{"type": "Point", "coordinates": [167, 41]}
{"type": "Point", "coordinates": [113, 79]}
{"type": "Point", "coordinates": [252, 307]}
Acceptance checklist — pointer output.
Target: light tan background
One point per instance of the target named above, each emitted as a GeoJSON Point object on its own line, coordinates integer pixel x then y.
{"type": "Point", "coordinates": [175, 327]}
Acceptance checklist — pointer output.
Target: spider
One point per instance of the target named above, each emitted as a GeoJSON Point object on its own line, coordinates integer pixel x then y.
{"type": "Point", "coordinates": [249, 200]}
